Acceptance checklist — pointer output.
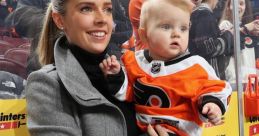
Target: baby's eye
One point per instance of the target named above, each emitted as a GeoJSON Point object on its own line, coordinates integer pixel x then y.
{"type": "Point", "coordinates": [184, 28]}
{"type": "Point", "coordinates": [86, 9]}
{"type": "Point", "coordinates": [165, 26]}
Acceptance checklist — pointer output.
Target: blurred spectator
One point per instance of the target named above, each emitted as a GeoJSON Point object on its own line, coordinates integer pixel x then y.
{"type": "Point", "coordinates": [27, 20]}
{"type": "Point", "coordinates": [11, 86]}
{"type": "Point", "coordinates": [218, 11]}
{"type": "Point", "coordinates": [125, 4]}
{"type": "Point", "coordinates": [6, 7]}
{"type": "Point", "coordinates": [122, 31]}
{"type": "Point", "coordinates": [27, 17]}
{"type": "Point", "coordinates": [134, 15]}
{"type": "Point", "coordinates": [206, 39]}
{"type": "Point", "coordinates": [249, 31]}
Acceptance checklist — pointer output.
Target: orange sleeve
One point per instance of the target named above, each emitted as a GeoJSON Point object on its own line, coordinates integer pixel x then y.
{"type": "Point", "coordinates": [134, 15]}
{"type": "Point", "coordinates": [128, 60]}
{"type": "Point", "coordinates": [134, 12]}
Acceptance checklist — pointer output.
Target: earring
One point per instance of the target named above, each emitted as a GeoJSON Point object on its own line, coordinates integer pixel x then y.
{"type": "Point", "coordinates": [62, 28]}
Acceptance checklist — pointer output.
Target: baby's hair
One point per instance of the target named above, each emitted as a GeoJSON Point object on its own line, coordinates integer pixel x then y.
{"type": "Point", "coordinates": [150, 5]}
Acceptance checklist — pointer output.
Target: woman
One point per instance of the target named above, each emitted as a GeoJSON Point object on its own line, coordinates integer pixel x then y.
{"type": "Point", "coordinates": [67, 96]}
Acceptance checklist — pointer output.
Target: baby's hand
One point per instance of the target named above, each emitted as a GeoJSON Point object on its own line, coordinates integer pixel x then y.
{"type": "Point", "coordinates": [110, 65]}
{"type": "Point", "coordinates": [213, 112]}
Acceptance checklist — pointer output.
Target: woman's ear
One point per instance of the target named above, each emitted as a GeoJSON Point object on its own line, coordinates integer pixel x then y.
{"type": "Point", "coordinates": [142, 35]}
{"type": "Point", "coordinates": [58, 19]}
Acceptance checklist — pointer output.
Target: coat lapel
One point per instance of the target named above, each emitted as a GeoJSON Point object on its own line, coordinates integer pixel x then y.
{"type": "Point", "coordinates": [74, 77]}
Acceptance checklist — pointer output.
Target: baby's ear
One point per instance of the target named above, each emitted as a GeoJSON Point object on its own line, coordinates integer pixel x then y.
{"type": "Point", "coordinates": [142, 35]}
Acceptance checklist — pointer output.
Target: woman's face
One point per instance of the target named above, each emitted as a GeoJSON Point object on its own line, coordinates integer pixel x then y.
{"type": "Point", "coordinates": [88, 24]}
{"type": "Point", "coordinates": [241, 8]}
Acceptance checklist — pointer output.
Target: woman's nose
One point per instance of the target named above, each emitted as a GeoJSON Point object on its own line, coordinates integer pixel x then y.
{"type": "Point", "coordinates": [100, 17]}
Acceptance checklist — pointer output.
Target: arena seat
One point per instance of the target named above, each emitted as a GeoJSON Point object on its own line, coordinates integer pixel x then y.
{"type": "Point", "coordinates": [4, 46]}
{"type": "Point", "coordinates": [13, 67]}
{"type": "Point", "coordinates": [25, 46]}
{"type": "Point", "coordinates": [4, 32]}
{"type": "Point", "coordinates": [19, 55]}
{"type": "Point", "coordinates": [15, 41]}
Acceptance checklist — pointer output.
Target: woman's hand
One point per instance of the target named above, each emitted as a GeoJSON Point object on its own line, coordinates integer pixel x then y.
{"type": "Point", "coordinates": [253, 27]}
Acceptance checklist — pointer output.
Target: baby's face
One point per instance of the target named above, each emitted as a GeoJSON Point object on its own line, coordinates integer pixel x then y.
{"type": "Point", "coordinates": [167, 32]}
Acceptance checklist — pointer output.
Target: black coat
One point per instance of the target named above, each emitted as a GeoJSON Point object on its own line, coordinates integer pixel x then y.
{"type": "Point", "coordinates": [207, 41]}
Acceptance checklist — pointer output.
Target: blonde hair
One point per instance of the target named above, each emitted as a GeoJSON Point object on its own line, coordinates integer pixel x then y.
{"type": "Point", "coordinates": [49, 33]}
{"type": "Point", "coordinates": [150, 5]}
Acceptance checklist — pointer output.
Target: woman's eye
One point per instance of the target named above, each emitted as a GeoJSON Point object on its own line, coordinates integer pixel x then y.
{"type": "Point", "coordinates": [108, 10]}
{"type": "Point", "coordinates": [166, 26]}
{"type": "Point", "coordinates": [86, 9]}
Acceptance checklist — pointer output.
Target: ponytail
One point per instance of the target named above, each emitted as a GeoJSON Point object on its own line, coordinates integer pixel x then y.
{"type": "Point", "coordinates": [49, 34]}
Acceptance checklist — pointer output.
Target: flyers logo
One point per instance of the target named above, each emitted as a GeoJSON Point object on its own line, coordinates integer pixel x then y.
{"type": "Point", "coordinates": [152, 96]}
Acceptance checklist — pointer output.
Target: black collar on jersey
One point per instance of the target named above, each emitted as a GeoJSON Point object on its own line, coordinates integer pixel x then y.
{"type": "Point", "coordinates": [173, 61]}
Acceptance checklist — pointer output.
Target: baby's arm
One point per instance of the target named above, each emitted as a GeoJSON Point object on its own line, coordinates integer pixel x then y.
{"type": "Point", "coordinates": [213, 112]}
{"type": "Point", "coordinates": [214, 96]}
{"type": "Point", "coordinates": [110, 66]}
{"type": "Point", "coordinates": [114, 75]}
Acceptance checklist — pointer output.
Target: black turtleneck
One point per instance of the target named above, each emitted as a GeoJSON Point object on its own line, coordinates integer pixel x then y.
{"type": "Point", "coordinates": [90, 63]}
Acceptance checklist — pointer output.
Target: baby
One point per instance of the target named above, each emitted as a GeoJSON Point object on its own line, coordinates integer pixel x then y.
{"type": "Point", "coordinates": [168, 86]}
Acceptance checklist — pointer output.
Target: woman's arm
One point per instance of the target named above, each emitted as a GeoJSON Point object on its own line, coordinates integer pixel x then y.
{"type": "Point", "coordinates": [50, 109]}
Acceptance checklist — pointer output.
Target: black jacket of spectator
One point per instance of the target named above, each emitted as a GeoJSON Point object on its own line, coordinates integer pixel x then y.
{"type": "Point", "coordinates": [207, 41]}
{"type": "Point", "coordinates": [123, 28]}
{"type": "Point", "coordinates": [218, 11]}
{"type": "Point", "coordinates": [28, 20]}
{"type": "Point", "coordinates": [5, 8]}
{"type": "Point", "coordinates": [11, 85]}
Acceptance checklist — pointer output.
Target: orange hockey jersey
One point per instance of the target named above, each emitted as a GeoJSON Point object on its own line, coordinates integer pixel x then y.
{"type": "Point", "coordinates": [168, 93]}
